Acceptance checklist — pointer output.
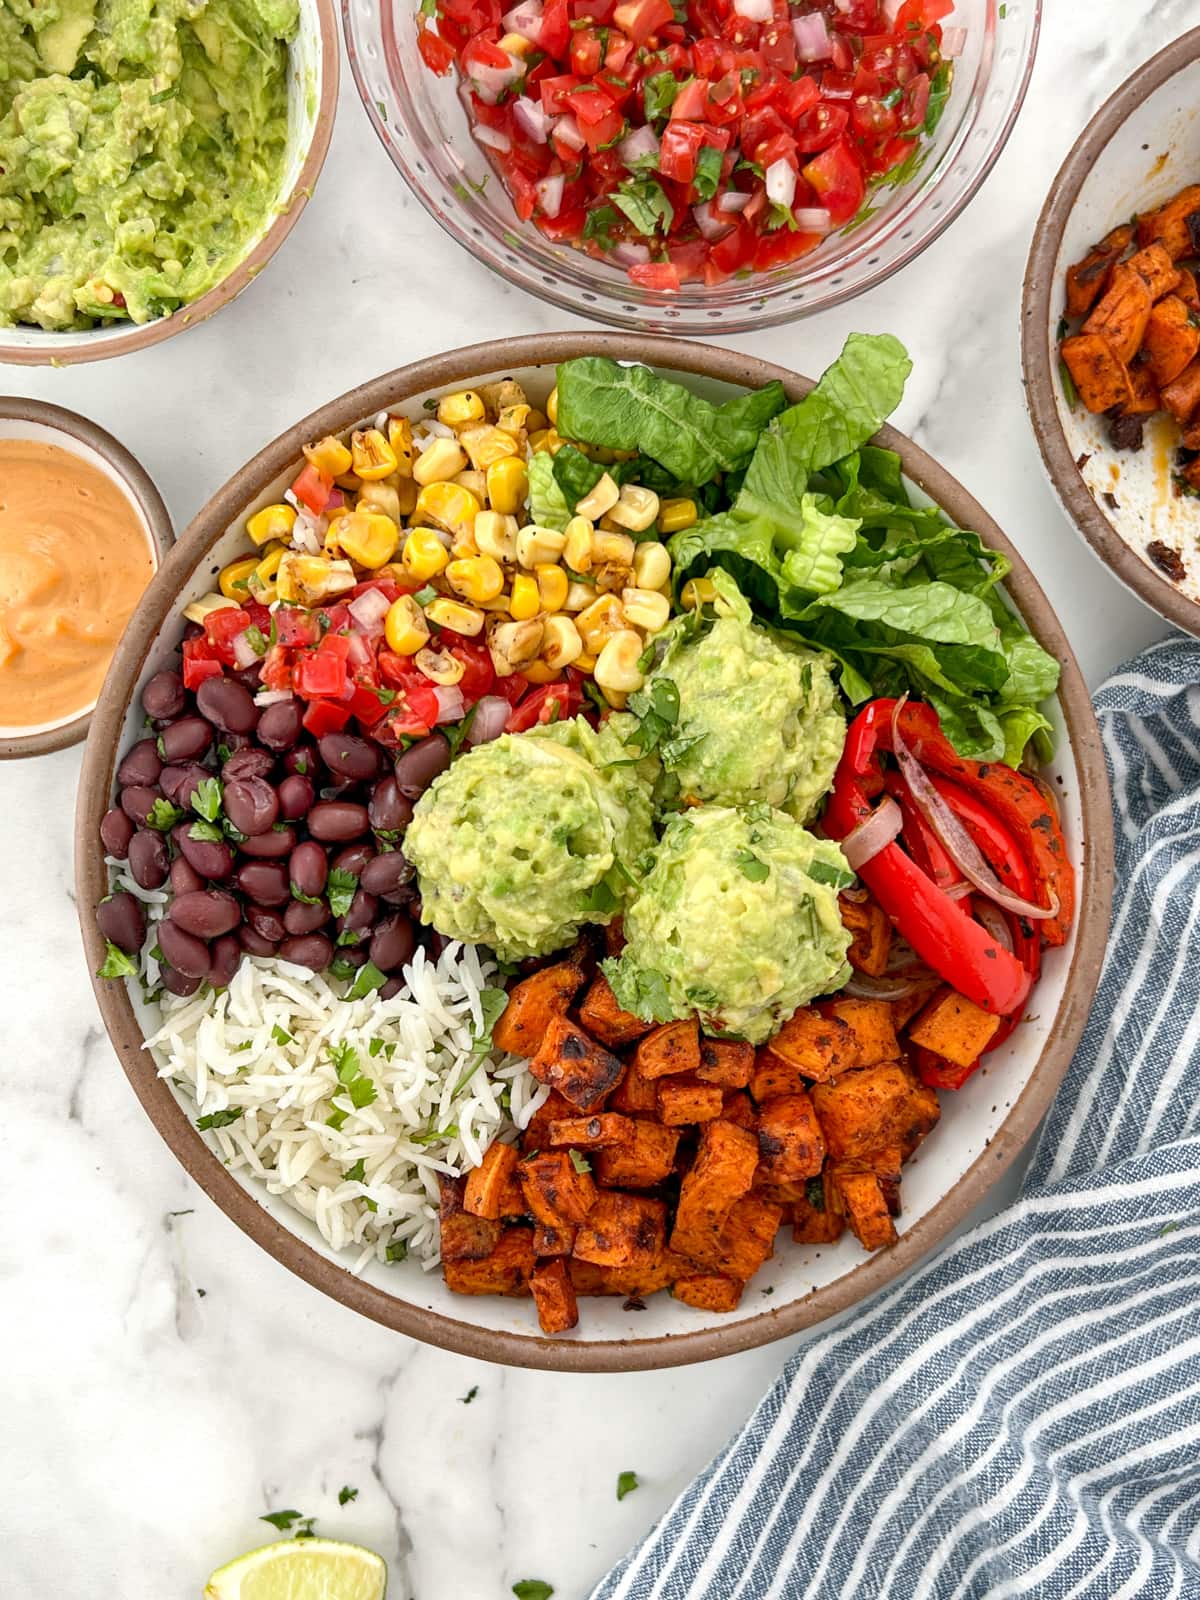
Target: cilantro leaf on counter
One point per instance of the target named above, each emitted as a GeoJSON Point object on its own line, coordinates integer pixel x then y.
{"type": "Point", "coordinates": [346, 1494]}
{"type": "Point", "coordinates": [532, 1589]}
{"type": "Point", "coordinates": [627, 1482]}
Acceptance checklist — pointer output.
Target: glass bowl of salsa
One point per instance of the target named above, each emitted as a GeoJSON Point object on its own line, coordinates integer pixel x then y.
{"type": "Point", "coordinates": [707, 165]}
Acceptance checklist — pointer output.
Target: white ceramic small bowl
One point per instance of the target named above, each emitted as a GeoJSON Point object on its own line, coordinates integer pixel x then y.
{"type": "Point", "coordinates": [1140, 148]}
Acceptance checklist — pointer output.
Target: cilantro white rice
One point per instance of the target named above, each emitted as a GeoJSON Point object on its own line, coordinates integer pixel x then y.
{"type": "Point", "coordinates": [350, 1108]}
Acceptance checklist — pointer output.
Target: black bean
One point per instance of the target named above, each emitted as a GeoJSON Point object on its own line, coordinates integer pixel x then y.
{"type": "Point", "coordinates": [116, 830]}
{"type": "Point", "coordinates": [149, 859]}
{"type": "Point", "coordinates": [211, 858]}
{"type": "Point", "coordinates": [353, 859]}
{"type": "Point", "coordinates": [354, 955]}
{"type": "Point", "coordinates": [227, 704]}
{"type": "Point", "coordinates": [233, 743]}
{"type": "Point", "coordinates": [393, 942]}
{"type": "Point", "coordinates": [122, 920]}
{"type": "Point", "coordinates": [183, 950]}
{"type": "Point", "coordinates": [249, 677]}
{"type": "Point", "coordinates": [163, 696]}
{"type": "Point", "coordinates": [271, 846]}
{"type": "Point", "coordinates": [179, 783]}
{"type": "Point", "coordinates": [296, 795]}
{"type": "Point", "coordinates": [253, 943]}
{"type": "Point", "coordinates": [251, 804]}
{"type": "Point", "coordinates": [138, 801]}
{"type": "Point", "coordinates": [389, 810]}
{"type": "Point", "coordinates": [391, 987]}
{"type": "Point", "coordinates": [302, 918]}
{"type": "Point", "coordinates": [387, 873]}
{"type": "Point", "coordinates": [362, 913]}
{"type": "Point", "coordinates": [249, 763]}
{"type": "Point", "coordinates": [348, 756]}
{"type": "Point", "coordinates": [420, 765]}
{"type": "Point", "coordinates": [142, 765]}
{"type": "Point", "coordinates": [266, 882]}
{"type": "Point", "coordinates": [225, 954]}
{"type": "Point", "coordinates": [266, 923]}
{"type": "Point", "coordinates": [304, 762]}
{"type": "Point", "coordinates": [188, 738]}
{"type": "Point", "coordinates": [184, 877]}
{"type": "Point", "coordinates": [279, 726]}
{"type": "Point", "coordinates": [180, 983]}
{"type": "Point", "coordinates": [308, 868]}
{"type": "Point", "coordinates": [308, 950]}
{"type": "Point", "coordinates": [207, 913]}
{"type": "Point", "coordinates": [336, 820]}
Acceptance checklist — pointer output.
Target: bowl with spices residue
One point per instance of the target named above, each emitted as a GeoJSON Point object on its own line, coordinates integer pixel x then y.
{"type": "Point", "coordinates": [1122, 335]}
{"type": "Point", "coordinates": [83, 530]}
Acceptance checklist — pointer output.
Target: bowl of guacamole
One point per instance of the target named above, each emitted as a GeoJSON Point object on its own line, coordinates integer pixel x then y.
{"type": "Point", "coordinates": [152, 159]}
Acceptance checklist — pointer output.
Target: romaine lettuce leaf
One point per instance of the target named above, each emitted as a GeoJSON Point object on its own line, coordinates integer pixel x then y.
{"type": "Point", "coordinates": [547, 503]}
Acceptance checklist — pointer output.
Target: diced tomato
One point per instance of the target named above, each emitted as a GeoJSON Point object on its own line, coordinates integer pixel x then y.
{"type": "Point", "coordinates": [198, 663]}
{"type": "Point", "coordinates": [732, 253]}
{"type": "Point", "coordinates": [822, 126]}
{"type": "Point", "coordinates": [589, 104]}
{"type": "Point", "coordinates": [479, 675]}
{"type": "Point", "coordinates": [689, 260]}
{"type": "Point", "coordinates": [276, 671]}
{"type": "Point", "coordinates": [681, 144]}
{"type": "Point", "coordinates": [587, 52]}
{"type": "Point", "coordinates": [260, 616]}
{"type": "Point", "coordinates": [567, 225]}
{"type": "Point", "coordinates": [336, 646]}
{"type": "Point", "coordinates": [798, 97]}
{"type": "Point", "coordinates": [555, 32]}
{"type": "Point", "coordinates": [319, 674]}
{"type": "Point", "coordinates": [916, 101]}
{"type": "Point", "coordinates": [610, 127]}
{"type": "Point", "coordinates": [435, 52]}
{"type": "Point", "coordinates": [312, 489]}
{"type": "Point", "coordinates": [413, 713]}
{"type": "Point", "coordinates": [369, 703]}
{"type": "Point", "coordinates": [221, 628]}
{"type": "Point", "coordinates": [554, 92]}
{"type": "Point", "coordinates": [397, 671]}
{"type": "Point", "coordinates": [640, 18]}
{"type": "Point", "coordinates": [295, 628]}
{"type": "Point", "coordinates": [784, 245]}
{"type": "Point", "coordinates": [838, 180]}
{"type": "Point", "coordinates": [551, 702]}
{"type": "Point", "coordinates": [511, 688]}
{"type": "Point", "coordinates": [914, 16]}
{"type": "Point", "coordinates": [388, 587]}
{"type": "Point", "coordinates": [691, 102]}
{"type": "Point", "coordinates": [655, 275]}
{"type": "Point", "coordinates": [325, 716]}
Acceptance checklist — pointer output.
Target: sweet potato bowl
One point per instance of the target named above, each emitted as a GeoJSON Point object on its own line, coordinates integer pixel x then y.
{"type": "Point", "coordinates": [982, 1127]}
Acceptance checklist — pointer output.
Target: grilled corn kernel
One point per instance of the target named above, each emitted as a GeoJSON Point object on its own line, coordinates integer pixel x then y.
{"type": "Point", "coordinates": [507, 485]}
{"type": "Point", "coordinates": [697, 592]}
{"type": "Point", "coordinates": [405, 627]}
{"type": "Point", "coordinates": [538, 672]}
{"type": "Point", "coordinates": [477, 578]}
{"type": "Point", "coordinates": [440, 666]}
{"type": "Point", "coordinates": [349, 481]}
{"type": "Point", "coordinates": [380, 497]}
{"type": "Point", "coordinates": [452, 614]}
{"type": "Point", "coordinates": [536, 422]}
{"type": "Point", "coordinates": [617, 664]}
{"type": "Point", "coordinates": [373, 456]}
{"type": "Point", "coordinates": [474, 482]}
{"type": "Point", "coordinates": [599, 499]}
{"type": "Point", "coordinates": [525, 602]}
{"type": "Point", "coordinates": [368, 537]}
{"type": "Point", "coordinates": [612, 547]}
{"type": "Point", "coordinates": [636, 509]}
{"type": "Point", "coordinates": [561, 644]}
{"type": "Point", "coordinates": [577, 552]}
{"type": "Point", "coordinates": [675, 515]}
{"type": "Point", "coordinates": [329, 456]}
{"type": "Point", "coordinates": [585, 663]}
{"type": "Point", "coordinates": [486, 445]}
{"type": "Point", "coordinates": [235, 578]}
{"type": "Point", "coordinates": [598, 622]}
{"type": "Point", "coordinates": [512, 645]}
{"type": "Point", "coordinates": [496, 535]}
{"type": "Point", "coordinates": [449, 506]}
{"type": "Point", "coordinates": [496, 396]}
{"type": "Point", "coordinates": [552, 584]}
{"type": "Point", "coordinates": [513, 420]}
{"type": "Point", "coordinates": [272, 522]}
{"type": "Point", "coordinates": [545, 439]}
{"type": "Point", "coordinates": [307, 580]}
{"type": "Point", "coordinates": [460, 410]}
{"type": "Point", "coordinates": [440, 461]}
{"type": "Point", "coordinates": [424, 554]}
{"type": "Point", "coordinates": [206, 605]}
{"type": "Point", "coordinates": [262, 584]}
{"type": "Point", "coordinates": [651, 565]}
{"type": "Point", "coordinates": [610, 577]}
{"type": "Point", "coordinates": [552, 407]}
{"type": "Point", "coordinates": [401, 440]}
{"type": "Point", "coordinates": [579, 595]}
{"type": "Point", "coordinates": [537, 545]}
{"type": "Point", "coordinates": [407, 490]}
{"type": "Point", "coordinates": [646, 609]}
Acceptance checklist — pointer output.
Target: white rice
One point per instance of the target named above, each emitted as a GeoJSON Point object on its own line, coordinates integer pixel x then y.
{"type": "Point", "coordinates": [437, 1105]}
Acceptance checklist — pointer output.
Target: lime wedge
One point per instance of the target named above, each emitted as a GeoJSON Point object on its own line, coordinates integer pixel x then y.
{"type": "Point", "coordinates": [301, 1569]}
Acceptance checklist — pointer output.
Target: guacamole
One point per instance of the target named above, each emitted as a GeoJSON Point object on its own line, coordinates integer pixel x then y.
{"type": "Point", "coordinates": [142, 151]}
{"type": "Point", "coordinates": [759, 717]}
{"type": "Point", "coordinates": [737, 920]}
{"type": "Point", "coordinates": [523, 840]}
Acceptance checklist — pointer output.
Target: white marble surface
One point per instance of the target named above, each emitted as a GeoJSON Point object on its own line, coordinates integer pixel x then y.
{"type": "Point", "coordinates": [164, 1382]}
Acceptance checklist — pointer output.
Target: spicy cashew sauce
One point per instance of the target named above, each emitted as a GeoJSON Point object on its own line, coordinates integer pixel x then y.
{"type": "Point", "coordinates": [74, 560]}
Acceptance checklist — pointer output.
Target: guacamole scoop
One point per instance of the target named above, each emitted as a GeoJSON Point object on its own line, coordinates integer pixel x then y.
{"type": "Point", "coordinates": [737, 919]}
{"type": "Point", "coordinates": [142, 151]}
{"type": "Point", "coordinates": [759, 717]}
{"type": "Point", "coordinates": [523, 840]}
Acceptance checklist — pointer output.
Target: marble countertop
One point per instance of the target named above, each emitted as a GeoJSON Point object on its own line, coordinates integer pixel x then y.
{"type": "Point", "coordinates": [165, 1382]}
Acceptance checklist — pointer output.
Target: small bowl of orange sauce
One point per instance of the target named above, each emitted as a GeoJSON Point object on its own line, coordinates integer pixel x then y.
{"type": "Point", "coordinates": [82, 532]}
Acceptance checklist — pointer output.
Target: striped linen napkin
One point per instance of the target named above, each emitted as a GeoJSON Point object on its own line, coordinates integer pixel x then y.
{"type": "Point", "coordinates": [1021, 1415]}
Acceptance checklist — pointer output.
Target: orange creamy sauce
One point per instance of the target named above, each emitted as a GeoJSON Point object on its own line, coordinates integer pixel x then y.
{"type": "Point", "coordinates": [74, 560]}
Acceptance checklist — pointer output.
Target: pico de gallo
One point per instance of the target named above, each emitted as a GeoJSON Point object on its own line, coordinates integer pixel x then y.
{"type": "Point", "coordinates": [694, 142]}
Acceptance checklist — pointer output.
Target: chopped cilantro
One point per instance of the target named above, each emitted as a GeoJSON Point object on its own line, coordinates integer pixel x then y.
{"type": "Point", "coordinates": [279, 1036]}
{"type": "Point", "coordinates": [657, 710]}
{"type": "Point", "coordinates": [814, 1193]}
{"type": "Point", "coordinates": [208, 831]}
{"type": "Point", "coordinates": [346, 1494]}
{"type": "Point", "coordinates": [362, 1092]}
{"type": "Point", "coordinates": [357, 1173]}
{"type": "Point", "coordinates": [220, 1119]}
{"type": "Point", "coordinates": [599, 226]}
{"type": "Point", "coordinates": [375, 1046]}
{"type": "Point", "coordinates": [304, 1528]}
{"type": "Point", "coordinates": [206, 798]}
{"type": "Point", "coordinates": [470, 1394]}
{"type": "Point", "coordinates": [579, 1162]}
{"type": "Point", "coordinates": [708, 171]}
{"type": "Point", "coordinates": [397, 1250]}
{"type": "Point", "coordinates": [822, 872]}
{"type": "Point", "coordinates": [336, 1120]}
{"type": "Point", "coordinates": [282, 1520]}
{"type": "Point", "coordinates": [163, 815]}
{"type": "Point", "coordinates": [645, 203]}
{"type": "Point", "coordinates": [305, 899]}
{"type": "Point", "coordinates": [627, 1482]}
{"type": "Point", "coordinates": [116, 963]}
{"type": "Point", "coordinates": [750, 866]}
{"type": "Point", "coordinates": [658, 92]}
{"type": "Point", "coordinates": [341, 887]}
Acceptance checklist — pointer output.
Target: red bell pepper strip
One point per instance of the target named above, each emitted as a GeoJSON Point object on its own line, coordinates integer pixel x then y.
{"type": "Point", "coordinates": [926, 849]}
{"type": "Point", "coordinates": [935, 1072]}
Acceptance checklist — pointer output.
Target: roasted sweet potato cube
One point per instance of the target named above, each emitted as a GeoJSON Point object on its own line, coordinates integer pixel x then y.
{"type": "Point", "coordinates": [537, 1131]}
{"type": "Point", "coordinates": [605, 1020]}
{"type": "Point", "coordinates": [591, 1133]}
{"type": "Point", "coordinates": [674, 1047]}
{"type": "Point", "coordinates": [533, 1004]}
{"type": "Point", "coordinates": [645, 1159]}
{"type": "Point", "coordinates": [1171, 341]}
{"type": "Point", "coordinates": [864, 1205]}
{"type": "Point", "coordinates": [506, 1271]}
{"type": "Point", "coordinates": [817, 1047]}
{"type": "Point", "coordinates": [614, 937]}
{"type": "Point", "coordinates": [1120, 317]}
{"type": "Point", "coordinates": [906, 1008]}
{"type": "Point", "coordinates": [738, 1107]}
{"type": "Point", "coordinates": [724, 1168]}
{"type": "Point", "coordinates": [791, 1146]}
{"type": "Point", "coordinates": [489, 1186]}
{"type": "Point", "coordinates": [773, 1075]}
{"type": "Point", "coordinates": [872, 935]}
{"type": "Point", "coordinates": [635, 1094]}
{"type": "Point", "coordinates": [663, 1271]}
{"type": "Point", "coordinates": [1144, 398]}
{"type": "Point", "coordinates": [708, 1291]}
{"type": "Point", "coordinates": [582, 1071]}
{"type": "Point", "coordinates": [873, 1109]}
{"type": "Point", "coordinates": [954, 1027]}
{"type": "Point", "coordinates": [685, 1100]}
{"type": "Point", "coordinates": [626, 1231]}
{"type": "Point", "coordinates": [747, 1238]}
{"type": "Point", "coordinates": [1171, 225]}
{"type": "Point", "coordinates": [1156, 270]}
{"type": "Point", "coordinates": [728, 1062]}
{"type": "Point", "coordinates": [870, 1021]}
{"type": "Point", "coordinates": [1186, 288]}
{"type": "Point", "coordinates": [1088, 279]}
{"type": "Point", "coordinates": [816, 1218]}
{"type": "Point", "coordinates": [556, 1191]}
{"type": "Point", "coordinates": [1182, 397]}
{"type": "Point", "coordinates": [464, 1237]}
{"type": "Point", "coordinates": [554, 1295]}
{"type": "Point", "coordinates": [1097, 371]}
{"type": "Point", "coordinates": [548, 1241]}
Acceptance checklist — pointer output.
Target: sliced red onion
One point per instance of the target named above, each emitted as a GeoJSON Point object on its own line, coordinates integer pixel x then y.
{"type": "Point", "coordinates": [957, 891]}
{"type": "Point", "coordinates": [451, 705]}
{"type": "Point", "coordinates": [566, 131]}
{"type": "Point", "coordinates": [996, 924]}
{"type": "Point", "coordinates": [272, 697]}
{"type": "Point", "coordinates": [813, 42]}
{"type": "Point", "coordinates": [640, 145]}
{"type": "Point", "coordinates": [493, 138]}
{"type": "Point", "coordinates": [873, 835]}
{"type": "Point", "coordinates": [369, 608]}
{"type": "Point", "coordinates": [733, 201]}
{"type": "Point", "coordinates": [628, 254]}
{"type": "Point", "coordinates": [549, 193]}
{"type": "Point", "coordinates": [813, 219]}
{"type": "Point", "coordinates": [490, 719]}
{"type": "Point", "coordinates": [533, 118]}
{"type": "Point", "coordinates": [755, 10]}
{"type": "Point", "coordinates": [525, 19]}
{"type": "Point", "coordinates": [953, 40]}
{"type": "Point", "coordinates": [862, 987]}
{"type": "Point", "coordinates": [244, 653]}
{"type": "Point", "coordinates": [957, 842]}
{"type": "Point", "coordinates": [711, 225]}
{"type": "Point", "coordinates": [780, 182]}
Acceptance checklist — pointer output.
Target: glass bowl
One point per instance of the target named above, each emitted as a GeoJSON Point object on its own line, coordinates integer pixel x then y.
{"type": "Point", "coordinates": [423, 126]}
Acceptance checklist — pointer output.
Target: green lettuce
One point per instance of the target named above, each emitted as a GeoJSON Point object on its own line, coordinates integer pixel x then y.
{"type": "Point", "coordinates": [547, 503]}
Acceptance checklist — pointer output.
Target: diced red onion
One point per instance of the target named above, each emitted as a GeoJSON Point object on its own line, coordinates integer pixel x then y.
{"type": "Point", "coordinates": [490, 719]}
{"type": "Point", "coordinates": [755, 10]}
{"type": "Point", "coordinates": [813, 219]}
{"type": "Point", "coordinates": [873, 835]}
{"type": "Point", "coordinates": [549, 193]}
{"type": "Point", "coordinates": [811, 33]}
{"type": "Point", "coordinates": [244, 653]}
{"type": "Point", "coordinates": [639, 145]}
{"type": "Point", "coordinates": [493, 138]}
{"type": "Point", "coordinates": [996, 924]}
{"type": "Point", "coordinates": [780, 183]}
{"type": "Point", "coordinates": [891, 9]}
{"type": "Point", "coordinates": [628, 254]}
{"type": "Point", "coordinates": [358, 650]}
{"type": "Point", "coordinates": [369, 608]}
{"type": "Point", "coordinates": [533, 118]}
{"type": "Point", "coordinates": [953, 40]}
{"type": "Point", "coordinates": [566, 131]}
{"type": "Point", "coordinates": [490, 83]}
{"type": "Point", "coordinates": [958, 844]}
{"type": "Point", "coordinates": [525, 19]}
{"type": "Point", "coordinates": [335, 502]}
{"type": "Point", "coordinates": [451, 705]}
{"type": "Point", "coordinates": [711, 225]}
{"type": "Point", "coordinates": [272, 697]}
{"type": "Point", "coordinates": [733, 201]}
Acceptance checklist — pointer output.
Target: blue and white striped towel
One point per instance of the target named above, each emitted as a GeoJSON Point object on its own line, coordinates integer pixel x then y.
{"type": "Point", "coordinates": [1022, 1414]}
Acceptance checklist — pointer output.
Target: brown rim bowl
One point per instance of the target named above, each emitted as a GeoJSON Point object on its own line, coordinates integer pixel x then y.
{"type": "Point", "coordinates": [315, 60]}
{"type": "Point", "coordinates": [83, 437]}
{"type": "Point", "coordinates": [1052, 1040]}
{"type": "Point", "coordinates": [1141, 147]}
